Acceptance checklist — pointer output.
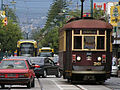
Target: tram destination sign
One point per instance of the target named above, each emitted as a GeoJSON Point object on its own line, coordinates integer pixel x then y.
{"type": "Point", "coordinates": [89, 31]}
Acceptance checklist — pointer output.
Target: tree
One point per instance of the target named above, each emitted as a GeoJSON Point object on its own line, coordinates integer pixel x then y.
{"type": "Point", "coordinates": [10, 13]}
{"type": "Point", "coordinates": [48, 36]}
{"type": "Point", "coordinates": [98, 13]}
{"type": "Point", "coordinates": [9, 35]}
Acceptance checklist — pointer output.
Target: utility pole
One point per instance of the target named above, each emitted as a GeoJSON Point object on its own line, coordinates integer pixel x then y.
{"type": "Point", "coordinates": [91, 8]}
{"type": "Point", "coordinates": [1, 4]}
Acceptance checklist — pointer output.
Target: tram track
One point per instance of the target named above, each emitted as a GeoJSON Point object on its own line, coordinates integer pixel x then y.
{"type": "Point", "coordinates": [40, 84]}
{"type": "Point", "coordinates": [83, 88]}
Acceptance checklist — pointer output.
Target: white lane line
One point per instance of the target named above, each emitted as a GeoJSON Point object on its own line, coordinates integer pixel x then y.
{"type": "Point", "coordinates": [57, 85]}
{"type": "Point", "coordinates": [82, 87]}
{"type": "Point", "coordinates": [68, 87]}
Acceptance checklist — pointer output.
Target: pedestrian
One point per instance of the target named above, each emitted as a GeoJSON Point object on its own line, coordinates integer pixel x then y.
{"type": "Point", "coordinates": [114, 61]}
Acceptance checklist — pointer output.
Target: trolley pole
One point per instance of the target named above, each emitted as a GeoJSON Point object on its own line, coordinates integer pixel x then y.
{"type": "Point", "coordinates": [82, 8]}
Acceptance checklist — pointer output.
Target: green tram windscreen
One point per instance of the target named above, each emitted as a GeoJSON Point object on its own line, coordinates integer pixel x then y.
{"type": "Point", "coordinates": [27, 49]}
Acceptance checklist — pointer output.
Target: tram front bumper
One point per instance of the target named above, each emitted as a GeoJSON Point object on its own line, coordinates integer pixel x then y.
{"type": "Point", "coordinates": [89, 72]}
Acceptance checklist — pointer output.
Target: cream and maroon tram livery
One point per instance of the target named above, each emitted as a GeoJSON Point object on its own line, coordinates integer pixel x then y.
{"type": "Point", "coordinates": [85, 50]}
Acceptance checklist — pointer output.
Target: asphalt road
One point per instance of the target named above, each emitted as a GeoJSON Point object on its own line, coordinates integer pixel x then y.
{"type": "Point", "coordinates": [53, 83]}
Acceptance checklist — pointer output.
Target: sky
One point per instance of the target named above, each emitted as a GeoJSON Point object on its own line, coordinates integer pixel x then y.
{"type": "Point", "coordinates": [32, 13]}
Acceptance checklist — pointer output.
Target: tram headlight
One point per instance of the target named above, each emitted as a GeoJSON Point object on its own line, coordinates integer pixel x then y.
{"type": "Point", "coordinates": [78, 58]}
{"type": "Point", "coordinates": [99, 58]}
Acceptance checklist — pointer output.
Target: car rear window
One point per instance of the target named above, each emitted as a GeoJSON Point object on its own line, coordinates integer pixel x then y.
{"type": "Point", "coordinates": [37, 60]}
{"type": "Point", "coordinates": [13, 64]}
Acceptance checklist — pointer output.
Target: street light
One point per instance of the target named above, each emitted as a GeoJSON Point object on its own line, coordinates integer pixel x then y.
{"type": "Point", "coordinates": [82, 8]}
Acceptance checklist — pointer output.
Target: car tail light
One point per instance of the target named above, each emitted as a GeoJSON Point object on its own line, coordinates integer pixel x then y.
{"type": "Point", "coordinates": [2, 75]}
{"type": "Point", "coordinates": [73, 58]}
{"type": "Point", "coordinates": [103, 58]}
{"type": "Point", "coordinates": [37, 66]}
{"type": "Point", "coordinates": [26, 75]}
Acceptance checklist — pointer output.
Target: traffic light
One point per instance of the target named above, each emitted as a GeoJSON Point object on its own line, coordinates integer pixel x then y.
{"type": "Point", "coordinates": [5, 21]}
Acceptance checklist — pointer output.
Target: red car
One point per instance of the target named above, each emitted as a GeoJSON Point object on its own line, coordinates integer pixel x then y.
{"type": "Point", "coordinates": [16, 72]}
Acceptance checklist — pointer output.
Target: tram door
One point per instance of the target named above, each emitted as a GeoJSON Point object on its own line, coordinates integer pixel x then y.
{"type": "Point", "coordinates": [68, 55]}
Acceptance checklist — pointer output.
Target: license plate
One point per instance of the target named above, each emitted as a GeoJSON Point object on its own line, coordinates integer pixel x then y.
{"type": "Point", "coordinates": [11, 75]}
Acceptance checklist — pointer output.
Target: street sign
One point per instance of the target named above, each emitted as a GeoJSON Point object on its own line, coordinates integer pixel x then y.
{"type": "Point", "coordinates": [114, 15]}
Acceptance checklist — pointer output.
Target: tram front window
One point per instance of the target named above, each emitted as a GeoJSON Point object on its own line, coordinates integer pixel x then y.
{"type": "Point", "coordinates": [100, 42]}
{"type": "Point", "coordinates": [89, 42]}
{"type": "Point", "coordinates": [77, 42]}
{"type": "Point", "coordinates": [27, 49]}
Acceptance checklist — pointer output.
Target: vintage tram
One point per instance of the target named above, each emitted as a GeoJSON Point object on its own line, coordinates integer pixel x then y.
{"type": "Point", "coordinates": [85, 50]}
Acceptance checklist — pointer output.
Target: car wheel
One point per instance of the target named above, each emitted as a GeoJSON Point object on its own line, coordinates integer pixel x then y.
{"type": "Point", "coordinates": [33, 83]}
{"type": "Point", "coordinates": [37, 76]}
{"type": "Point", "coordinates": [2, 86]}
{"type": "Point", "coordinates": [29, 85]}
{"type": "Point", "coordinates": [44, 74]}
{"type": "Point", "coordinates": [58, 74]}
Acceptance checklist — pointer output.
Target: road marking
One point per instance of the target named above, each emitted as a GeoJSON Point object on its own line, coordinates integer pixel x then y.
{"type": "Point", "coordinates": [57, 85]}
{"type": "Point", "coordinates": [80, 86]}
{"type": "Point", "coordinates": [68, 87]}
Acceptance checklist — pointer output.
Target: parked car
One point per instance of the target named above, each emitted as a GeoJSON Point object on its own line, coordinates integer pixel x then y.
{"type": "Point", "coordinates": [15, 71]}
{"type": "Point", "coordinates": [44, 66]}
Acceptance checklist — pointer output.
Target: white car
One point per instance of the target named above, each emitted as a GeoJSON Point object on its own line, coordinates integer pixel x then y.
{"type": "Point", "coordinates": [114, 68]}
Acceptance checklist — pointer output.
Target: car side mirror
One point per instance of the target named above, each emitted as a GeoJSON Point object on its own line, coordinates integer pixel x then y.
{"type": "Point", "coordinates": [32, 66]}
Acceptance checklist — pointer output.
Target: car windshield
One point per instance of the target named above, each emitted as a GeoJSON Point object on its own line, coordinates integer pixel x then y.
{"type": "Point", "coordinates": [37, 60]}
{"type": "Point", "coordinates": [13, 64]}
{"type": "Point", "coordinates": [46, 54]}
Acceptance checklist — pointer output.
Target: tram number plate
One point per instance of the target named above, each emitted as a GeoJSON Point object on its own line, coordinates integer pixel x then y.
{"type": "Point", "coordinates": [97, 63]}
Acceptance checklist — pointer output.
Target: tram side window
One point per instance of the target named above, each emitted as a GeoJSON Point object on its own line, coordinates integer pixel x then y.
{"type": "Point", "coordinates": [78, 42]}
{"type": "Point", "coordinates": [100, 42]}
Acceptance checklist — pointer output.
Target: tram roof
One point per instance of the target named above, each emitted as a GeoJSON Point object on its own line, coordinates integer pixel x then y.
{"type": "Point", "coordinates": [88, 24]}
